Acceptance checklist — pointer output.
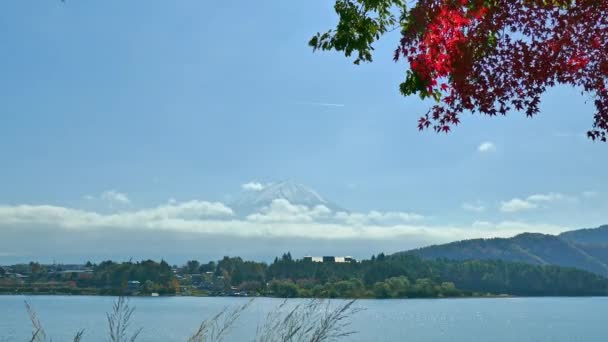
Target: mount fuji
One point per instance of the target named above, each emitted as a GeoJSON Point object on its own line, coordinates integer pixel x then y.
{"type": "Point", "coordinates": [296, 193]}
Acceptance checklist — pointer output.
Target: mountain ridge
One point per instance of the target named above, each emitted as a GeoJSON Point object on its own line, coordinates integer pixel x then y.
{"type": "Point", "coordinates": [597, 235]}
{"type": "Point", "coordinates": [568, 249]}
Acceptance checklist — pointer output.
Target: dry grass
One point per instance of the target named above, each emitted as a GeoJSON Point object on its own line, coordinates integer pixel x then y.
{"type": "Point", "coordinates": [38, 333]}
{"type": "Point", "coordinates": [217, 327]}
{"type": "Point", "coordinates": [119, 320]}
{"type": "Point", "coordinates": [309, 321]}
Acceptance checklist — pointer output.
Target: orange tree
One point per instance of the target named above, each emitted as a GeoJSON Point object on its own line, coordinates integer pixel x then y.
{"type": "Point", "coordinates": [484, 56]}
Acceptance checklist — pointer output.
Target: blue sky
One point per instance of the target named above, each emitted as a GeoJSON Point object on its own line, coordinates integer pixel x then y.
{"type": "Point", "coordinates": [189, 100]}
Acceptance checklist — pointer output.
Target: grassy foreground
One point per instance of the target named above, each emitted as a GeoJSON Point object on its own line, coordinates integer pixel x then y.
{"type": "Point", "coordinates": [309, 321]}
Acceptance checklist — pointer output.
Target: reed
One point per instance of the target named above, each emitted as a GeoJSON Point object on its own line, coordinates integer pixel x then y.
{"type": "Point", "coordinates": [313, 320]}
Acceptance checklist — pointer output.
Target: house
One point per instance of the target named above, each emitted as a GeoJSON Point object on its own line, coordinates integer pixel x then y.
{"type": "Point", "coordinates": [344, 259]}
{"type": "Point", "coordinates": [133, 285]}
{"type": "Point", "coordinates": [329, 259]}
{"type": "Point", "coordinates": [313, 259]}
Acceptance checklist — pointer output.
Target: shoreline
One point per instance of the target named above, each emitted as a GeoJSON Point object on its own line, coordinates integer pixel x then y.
{"type": "Point", "coordinates": [505, 296]}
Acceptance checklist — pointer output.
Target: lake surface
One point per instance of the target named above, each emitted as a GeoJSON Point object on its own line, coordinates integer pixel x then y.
{"type": "Point", "coordinates": [458, 320]}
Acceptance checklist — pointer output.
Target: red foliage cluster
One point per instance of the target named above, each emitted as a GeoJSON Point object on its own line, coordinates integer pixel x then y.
{"type": "Point", "coordinates": [491, 56]}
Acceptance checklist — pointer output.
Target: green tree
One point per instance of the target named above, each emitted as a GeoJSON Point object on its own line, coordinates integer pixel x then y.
{"type": "Point", "coordinates": [284, 289]}
{"type": "Point", "coordinates": [192, 266]}
{"type": "Point", "coordinates": [382, 290]}
{"type": "Point", "coordinates": [208, 267]}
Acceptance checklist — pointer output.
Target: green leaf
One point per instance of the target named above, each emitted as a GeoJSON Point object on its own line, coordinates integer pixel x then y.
{"type": "Point", "coordinates": [361, 23]}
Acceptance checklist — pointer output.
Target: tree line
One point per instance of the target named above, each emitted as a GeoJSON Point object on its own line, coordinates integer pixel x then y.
{"type": "Point", "coordinates": [381, 276]}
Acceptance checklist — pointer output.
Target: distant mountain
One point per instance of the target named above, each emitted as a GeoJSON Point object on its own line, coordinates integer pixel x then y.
{"type": "Point", "coordinates": [569, 249]}
{"type": "Point", "coordinates": [295, 193]}
{"type": "Point", "coordinates": [588, 235]}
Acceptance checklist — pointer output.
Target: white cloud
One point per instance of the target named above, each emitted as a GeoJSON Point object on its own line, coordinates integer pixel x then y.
{"type": "Point", "coordinates": [590, 194]}
{"type": "Point", "coordinates": [190, 210]}
{"type": "Point", "coordinates": [111, 197]}
{"type": "Point", "coordinates": [486, 147]}
{"type": "Point", "coordinates": [161, 216]}
{"type": "Point", "coordinates": [550, 197]}
{"type": "Point", "coordinates": [376, 218]}
{"type": "Point", "coordinates": [114, 197]}
{"type": "Point", "coordinates": [533, 201]}
{"type": "Point", "coordinates": [281, 220]}
{"type": "Point", "coordinates": [477, 207]}
{"type": "Point", "coordinates": [516, 205]}
{"type": "Point", "coordinates": [510, 228]}
{"type": "Point", "coordinates": [280, 210]}
{"type": "Point", "coordinates": [253, 186]}
{"type": "Point", "coordinates": [392, 216]}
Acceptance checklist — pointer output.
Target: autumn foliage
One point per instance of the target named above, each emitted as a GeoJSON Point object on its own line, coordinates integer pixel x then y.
{"type": "Point", "coordinates": [495, 56]}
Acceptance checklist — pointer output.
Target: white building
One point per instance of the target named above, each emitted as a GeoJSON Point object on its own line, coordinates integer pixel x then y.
{"type": "Point", "coordinates": [344, 259]}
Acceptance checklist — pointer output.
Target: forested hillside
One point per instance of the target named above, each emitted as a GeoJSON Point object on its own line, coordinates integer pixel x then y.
{"type": "Point", "coordinates": [584, 249]}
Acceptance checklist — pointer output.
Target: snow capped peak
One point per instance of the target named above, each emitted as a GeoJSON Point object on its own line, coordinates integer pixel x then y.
{"type": "Point", "coordinates": [289, 190]}
{"type": "Point", "coordinates": [292, 192]}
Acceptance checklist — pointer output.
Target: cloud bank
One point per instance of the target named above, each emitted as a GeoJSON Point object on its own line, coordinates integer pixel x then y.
{"type": "Point", "coordinates": [198, 228]}
{"type": "Point", "coordinates": [280, 219]}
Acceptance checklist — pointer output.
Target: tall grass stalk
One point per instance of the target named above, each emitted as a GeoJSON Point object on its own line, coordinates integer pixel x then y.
{"type": "Point", "coordinates": [38, 333]}
{"type": "Point", "coordinates": [312, 320]}
{"type": "Point", "coordinates": [119, 320]}
{"type": "Point", "coordinates": [217, 327]}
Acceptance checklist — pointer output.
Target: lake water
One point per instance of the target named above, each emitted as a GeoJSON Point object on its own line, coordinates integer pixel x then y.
{"type": "Point", "coordinates": [458, 320]}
